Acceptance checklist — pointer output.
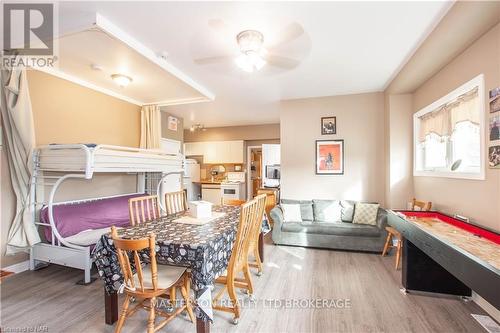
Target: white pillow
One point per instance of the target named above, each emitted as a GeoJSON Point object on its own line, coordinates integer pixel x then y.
{"type": "Point", "coordinates": [291, 213]}
{"type": "Point", "coordinates": [365, 213]}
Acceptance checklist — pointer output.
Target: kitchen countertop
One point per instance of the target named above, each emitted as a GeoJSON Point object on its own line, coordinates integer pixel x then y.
{"type": "Point", "coordinates": [208, 182]}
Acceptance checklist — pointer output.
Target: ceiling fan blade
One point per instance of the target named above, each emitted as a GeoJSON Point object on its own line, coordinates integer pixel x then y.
{"type": "Point", "coordinates": [288, 34]}
{"type": "Point", "coordinates": [213, 60]}
{"type": "Point", "coordinates": [282, 62]}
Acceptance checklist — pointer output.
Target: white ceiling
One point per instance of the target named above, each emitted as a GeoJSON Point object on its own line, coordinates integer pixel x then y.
{"type": "Point", "coordinates": [346, 48]}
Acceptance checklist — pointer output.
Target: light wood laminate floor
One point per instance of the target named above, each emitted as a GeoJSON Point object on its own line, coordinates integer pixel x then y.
{"type": "Point", "coordinates": [50, 298]}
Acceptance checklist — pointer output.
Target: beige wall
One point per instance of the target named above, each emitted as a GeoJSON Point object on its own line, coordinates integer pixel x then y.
{"type": "Point", "coordinates": [399, 150]}
{"type": "Point", "coordinates": [252, 132]}
{"type": "Point", "coordinates": [477, 199]}
{"type": "Point", "coordinates": [68, 113]}
{"type": "Point", "coordinates": [167, 133]}
{"type": "Point", "coordinates": [360, 122]}
{"type": "Point", "coordinates": [65, 112]}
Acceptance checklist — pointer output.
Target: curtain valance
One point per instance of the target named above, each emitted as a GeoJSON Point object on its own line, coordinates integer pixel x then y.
{"type": "Point", "coordinates": [443, 120]}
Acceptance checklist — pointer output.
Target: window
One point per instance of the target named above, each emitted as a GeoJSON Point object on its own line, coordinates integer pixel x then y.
{"type": "Point", "coordinates": [449, 134]}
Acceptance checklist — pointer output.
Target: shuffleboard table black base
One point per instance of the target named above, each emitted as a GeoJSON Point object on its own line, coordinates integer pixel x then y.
{"type": "Point", "coordinates": [421, 273]}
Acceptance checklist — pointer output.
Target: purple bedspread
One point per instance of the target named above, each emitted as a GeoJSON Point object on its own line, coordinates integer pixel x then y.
{"type": "Point", "coordinates": [73, 218]}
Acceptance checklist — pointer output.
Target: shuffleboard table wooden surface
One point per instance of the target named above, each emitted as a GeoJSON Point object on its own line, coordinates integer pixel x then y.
{"type": "Point", "coordinates": [446, 255]}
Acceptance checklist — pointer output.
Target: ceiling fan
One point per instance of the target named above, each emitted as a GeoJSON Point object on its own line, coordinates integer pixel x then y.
{"type": "Point", "coordinates": [253, 53]}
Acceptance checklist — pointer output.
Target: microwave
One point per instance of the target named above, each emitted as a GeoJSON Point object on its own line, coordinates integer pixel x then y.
{"type": "Point", "coordinates": [273, 171]}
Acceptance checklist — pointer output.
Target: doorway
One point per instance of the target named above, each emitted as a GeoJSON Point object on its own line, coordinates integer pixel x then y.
{"type": "Point", "coordinates": [254, 170]}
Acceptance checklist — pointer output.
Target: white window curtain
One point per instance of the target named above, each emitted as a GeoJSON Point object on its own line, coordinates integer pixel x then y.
{"type": "Point", "coordinates": [150, 127]}
{"type": "Point", "coordinates": [443, 121]}
{"type": "Point", "coordinates": [19, 134]}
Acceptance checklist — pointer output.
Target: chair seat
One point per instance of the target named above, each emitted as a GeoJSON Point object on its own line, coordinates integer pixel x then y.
{"type": "Point", "coordinates": [393, 231]}
{"type": "Point", "coordinates": [167, 276]}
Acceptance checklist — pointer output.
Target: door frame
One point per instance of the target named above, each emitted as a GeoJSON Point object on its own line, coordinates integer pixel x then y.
{"type": "Point", "coordinates": [249, 170]}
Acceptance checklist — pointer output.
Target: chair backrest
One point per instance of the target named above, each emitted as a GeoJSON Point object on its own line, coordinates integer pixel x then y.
{"type": "Point", "coordinates": [271, 199]}
{"type": "Point", "coordinates": [239, 255]}
{"type": "Point", "coordinates": [424, 206]}
{"type": "Point", "coordinates": [143, 209]}
{"type": "Point", "coordinates": [175, 202]}
{"type": "Point", "coordinates": [259, 215]}
{"type": "Point", "coordinates": [233, 202]}
{"type": "Point", "coordinates": [127, 248]}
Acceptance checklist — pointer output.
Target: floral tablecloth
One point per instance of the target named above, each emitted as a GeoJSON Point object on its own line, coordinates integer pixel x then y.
{"type": "Point", "coordinates": [205, 249]}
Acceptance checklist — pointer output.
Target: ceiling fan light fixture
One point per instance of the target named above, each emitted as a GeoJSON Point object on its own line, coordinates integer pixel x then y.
{"type": "Point", "coordinates": [250, 41]}
{"type": "Point", "coordinates": [252, 53]}
{"type": "Point", "coordinates": [250, 62]}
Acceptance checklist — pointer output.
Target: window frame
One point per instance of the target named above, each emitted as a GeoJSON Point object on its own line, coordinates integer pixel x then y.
{"type": "Point", "coordinates": [478, 82]}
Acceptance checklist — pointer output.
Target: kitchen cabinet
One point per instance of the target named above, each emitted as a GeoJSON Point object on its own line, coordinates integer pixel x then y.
{"type": "Point", "coordinates": [211, 193]}
{"type": "Point", "coordinates": [217, 152]}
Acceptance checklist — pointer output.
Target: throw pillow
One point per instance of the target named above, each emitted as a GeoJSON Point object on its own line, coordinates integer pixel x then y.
{"type": "Point", "coordinates": [327, 211]}
{"type": "Point", "coordinates": [365, 213]}
{"type": "Point", "coordinates": [347, 210]}
{"type": "Point", "coordinates": [306, 208]}
{"type": "Point", "coordinates": [291, 213]}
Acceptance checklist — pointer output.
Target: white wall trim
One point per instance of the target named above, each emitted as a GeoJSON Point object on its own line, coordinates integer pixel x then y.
{"type": "Point", "coordinates": [18, 268]}
{"type": "Point", "coordinates": [86, 84]}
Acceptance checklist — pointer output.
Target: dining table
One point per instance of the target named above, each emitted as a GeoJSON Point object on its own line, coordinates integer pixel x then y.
{"type": "Point", "coordinates": [205, 249]}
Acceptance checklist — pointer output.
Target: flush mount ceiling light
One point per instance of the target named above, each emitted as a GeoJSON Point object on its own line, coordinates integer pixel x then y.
{"type": "Point", "coordinates": [197, 127]}
{"type": "Point", "coordinates": [121, 80]}
{"type": "Point", "coordinates": [252, 53]}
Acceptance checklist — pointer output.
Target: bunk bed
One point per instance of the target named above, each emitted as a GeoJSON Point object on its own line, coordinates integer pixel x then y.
{"type": "Point", "coordinates": [54, 164]}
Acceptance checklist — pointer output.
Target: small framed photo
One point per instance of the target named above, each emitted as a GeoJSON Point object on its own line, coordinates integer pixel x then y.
{"type": "Point", "coordinates": [494, 157]}
{"type": "Point", "coordinates": [329, 157]}
{"type": "Point", "coordinates": [328, 125]}
{"type": "Point", "coordinates": [172, 123]}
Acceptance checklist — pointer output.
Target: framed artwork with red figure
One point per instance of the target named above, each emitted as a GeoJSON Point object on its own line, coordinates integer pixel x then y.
{"type": "Point", "coordinates": [329, 157]}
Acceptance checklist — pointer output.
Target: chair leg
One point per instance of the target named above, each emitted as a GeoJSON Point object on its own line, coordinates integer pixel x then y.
{"type": "Point", "coordinates": [151, 319]}
{"type": "Point", "coordinates": [386, 245]}
{"type": "Point", "coordinates": [248, 278]}
{"type": "Point", "coordinates": [123, 315]}
{"type": "Point", "coordinates": [187, 300]}
{"type": "Point", "coordinates": [398, 253]}
{"type": "Point", "coordinates": [258, 261]}
{"type": "Point", "coordinates": [173, 297]}
{"type": "Point", "coordinates": [232, 296]}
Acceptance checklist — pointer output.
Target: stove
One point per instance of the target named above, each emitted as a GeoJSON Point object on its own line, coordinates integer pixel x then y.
{"type": "Point", "coordinates": [234, 186]}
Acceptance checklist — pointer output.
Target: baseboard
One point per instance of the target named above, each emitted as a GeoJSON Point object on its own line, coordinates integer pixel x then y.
{"type": "Point", "coordinates": [19, 267]}
{"type": "Point", "coordinates": [487, 307]}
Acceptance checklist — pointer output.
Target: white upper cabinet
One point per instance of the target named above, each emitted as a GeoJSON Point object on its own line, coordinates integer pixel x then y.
{"type": "Point", "coordinates": [213, 152]}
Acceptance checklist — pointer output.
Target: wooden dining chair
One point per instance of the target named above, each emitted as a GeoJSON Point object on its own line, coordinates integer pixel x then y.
{"type": "Point", "coordinates": [271, 201]}
{"type": "Point", "coordinates": [176, 202]}
{"type": "Point", "coordinates": [422, 205]}
{"type": "Point", "coordinates": [394, 236]}
{"type": "Point", "coordinates": [150, 282]}
{"type": "Point", "coordinates": [238, 263]}
{"type": "Point", "coordinates": [253, 249]}
{"type": "Point", "coordinates": [143, 209]}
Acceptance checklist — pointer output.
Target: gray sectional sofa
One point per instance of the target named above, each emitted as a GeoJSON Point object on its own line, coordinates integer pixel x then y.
{"type": "Point", "coordinates": [328, 224]}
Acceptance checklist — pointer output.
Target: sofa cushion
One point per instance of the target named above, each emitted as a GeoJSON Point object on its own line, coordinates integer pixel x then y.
{"type": "Point", "coordinates": [327, 211]}
{"type": "Point", "coordinates": [291, 213]}
{"type": "Point", "coordinates": [365, 213]}
{"type": "Point", "coordinates": [347, 210]}
{"type": "Point", "coordinates": [338, 229]}
{"type": "Point", "coordinates": [306, 208]}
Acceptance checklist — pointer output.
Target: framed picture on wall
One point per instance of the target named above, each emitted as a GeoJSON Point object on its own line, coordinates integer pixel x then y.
{"type": "Point", "coordinates": [328, 125]}
{"type": "Point", "coordinates": [329, 157]}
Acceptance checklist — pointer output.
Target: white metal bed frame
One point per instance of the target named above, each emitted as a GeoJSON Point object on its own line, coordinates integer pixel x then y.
{"type": "Point", "coordinates": [59, 251]}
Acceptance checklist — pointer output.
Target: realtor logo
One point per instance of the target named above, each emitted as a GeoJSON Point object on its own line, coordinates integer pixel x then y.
{"type": "Point", "coordinates": [28, 29]}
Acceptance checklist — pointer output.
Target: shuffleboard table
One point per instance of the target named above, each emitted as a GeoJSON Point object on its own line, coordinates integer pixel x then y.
{"type": "Point", "coordinates": [443, 254]}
